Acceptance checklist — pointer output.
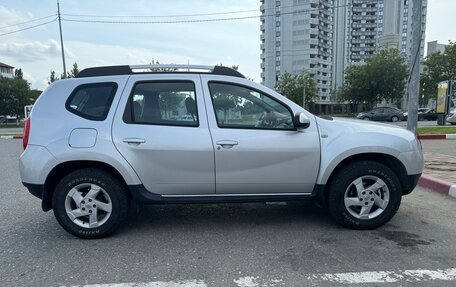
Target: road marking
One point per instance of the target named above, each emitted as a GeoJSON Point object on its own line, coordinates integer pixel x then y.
{"type": "Point", "coordinates": [248, 281]}
{"type": "Point", "coordinates": [186, 283]}
{"type": "Point", "coordinates": [386, 276]}
{"type": "Point", "coordinates": [371, 277]}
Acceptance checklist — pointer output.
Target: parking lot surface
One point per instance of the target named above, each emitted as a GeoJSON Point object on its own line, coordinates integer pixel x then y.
{"type": "Point", "coordinates": [294, 244]}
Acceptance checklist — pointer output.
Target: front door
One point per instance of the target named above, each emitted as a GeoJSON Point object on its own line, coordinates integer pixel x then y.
{"type": "Point", "coordinates": [257, 148]}
{"type": "Point", "coordinates": [161, 129]}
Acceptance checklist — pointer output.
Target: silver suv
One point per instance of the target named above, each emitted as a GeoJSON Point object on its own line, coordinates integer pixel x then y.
{"type": "Point", "coordinates": [200, 134]}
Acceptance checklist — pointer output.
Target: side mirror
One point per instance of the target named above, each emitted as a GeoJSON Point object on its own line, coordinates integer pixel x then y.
{"type": "Point", "coordinates": [300, 120]}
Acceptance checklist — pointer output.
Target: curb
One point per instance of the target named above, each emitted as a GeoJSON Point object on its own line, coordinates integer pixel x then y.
{"type": "Point", "coordinates": [437, 137]}
{"type": "Point", "coordinates": [438, 185]}
{"type": "Point", "coordinates": [10, 137]}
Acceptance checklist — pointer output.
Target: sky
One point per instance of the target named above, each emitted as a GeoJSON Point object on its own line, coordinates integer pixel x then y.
{"type": "Point", "coordinates": [37, 51]}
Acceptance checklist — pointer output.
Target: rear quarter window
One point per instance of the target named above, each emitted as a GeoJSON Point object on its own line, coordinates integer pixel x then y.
{"type": "Point", "coordinates": [92, 101]}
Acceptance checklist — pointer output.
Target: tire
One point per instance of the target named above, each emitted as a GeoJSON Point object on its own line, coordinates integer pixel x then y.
{"type": "Point", "coordinates": [394, 118]}
{"type": "Point", "coordinates": [420, 119]}
{"type": "Point", "coordinates": [90, 187]}
{"type": "Point", "coordinates": [366, 118]}
{"type": "Point", "coordinates": [341, 187]}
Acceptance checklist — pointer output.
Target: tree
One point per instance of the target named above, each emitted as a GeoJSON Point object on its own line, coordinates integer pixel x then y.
{"type": "Point", "coordinates": [52, 77]}
{"type": "Point", "coordinates": [381, 78]}
{"type": "Point", "coordinates": [156, 62]}
{"type": "Point", "coordinates": [169, 102]}
{"type": "Point", "coordinates": [438, 67]}
{"type": "Point", "coordinates": [225, 102]}
{"type": "Point", "coordinates": [18, 74]}
{"type": "Point", "coordinates": [292, 87]}
{"type": "Point", "coordinates": [74, 71]}
{"type": "Point", "coordinates": [14, 95]}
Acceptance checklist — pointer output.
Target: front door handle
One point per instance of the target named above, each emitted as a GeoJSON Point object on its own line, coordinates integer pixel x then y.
{"type": "Point", "coordinates": [227, 143]}
{"type": "Point", "coordinates": [136, 141]}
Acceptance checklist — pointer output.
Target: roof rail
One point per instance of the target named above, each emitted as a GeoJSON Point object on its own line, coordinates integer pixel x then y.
{"type": "Point", "coordinates": [150, 69]}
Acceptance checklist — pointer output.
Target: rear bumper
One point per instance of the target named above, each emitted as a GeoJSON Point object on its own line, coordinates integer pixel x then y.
{"type": "Point", "coordinates": [39, 191]}
{"type": "Point", "coordinates": [35, 189]}
{"type": "Point", "coordinates": [35, 163]}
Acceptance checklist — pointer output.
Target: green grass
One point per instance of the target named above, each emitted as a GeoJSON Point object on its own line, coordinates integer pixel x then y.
{"type": "Point", "coordinates": [437, 130]}
{"type": "Point", "coordinates": [13, 126]}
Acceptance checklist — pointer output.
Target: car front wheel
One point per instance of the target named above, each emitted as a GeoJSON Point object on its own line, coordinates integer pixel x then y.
{"type": "Point", "coordinates": [394, 118]}
{"type": "Point", "coordinates": [90, 203]}
{"type": "Point", "coordinates": [364, 195]}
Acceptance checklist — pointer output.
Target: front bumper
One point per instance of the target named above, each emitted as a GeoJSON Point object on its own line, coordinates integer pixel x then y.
{"type": "Point", "coordinates": [410, 184]}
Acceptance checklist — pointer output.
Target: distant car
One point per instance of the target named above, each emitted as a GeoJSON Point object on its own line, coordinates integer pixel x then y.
{"type": "Point", "coordinates": [452, 117]}
{"type": "Point", "coordinates": [424, 114]}
{"type": "Point", "coordinates": [382, 114]}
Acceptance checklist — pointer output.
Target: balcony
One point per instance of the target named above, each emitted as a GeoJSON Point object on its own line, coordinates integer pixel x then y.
{"type": "Point", "coordinates": [364, 9]}
{"type": "Point", "coordinates": [364, 33]}
{"type": "Point", "coordinates": [365, 17]}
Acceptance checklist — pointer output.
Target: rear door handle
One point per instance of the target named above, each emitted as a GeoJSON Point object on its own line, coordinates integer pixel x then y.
{"type": "Point", "coordinates": [136, 141]}
{"type": "Point", "coordinates": [227, 143]}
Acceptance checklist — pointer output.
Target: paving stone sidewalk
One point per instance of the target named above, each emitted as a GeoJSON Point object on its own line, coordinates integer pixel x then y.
{"type": "Point", "coordinates": [441, 166]}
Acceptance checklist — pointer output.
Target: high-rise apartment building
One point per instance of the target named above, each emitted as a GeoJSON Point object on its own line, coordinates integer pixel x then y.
{"type": "Point", "coordinates": [297, 37]}
{"type": "Point", "coordinates": [395, 28]}
{"type": "Point", "coordinates": [370, 25]}
{"type": "Point", "coordinates": [324, 37]}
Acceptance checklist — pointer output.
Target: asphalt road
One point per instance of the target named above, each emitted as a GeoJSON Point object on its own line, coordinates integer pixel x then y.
{"type": "Point", "coordinates": [293, 244]}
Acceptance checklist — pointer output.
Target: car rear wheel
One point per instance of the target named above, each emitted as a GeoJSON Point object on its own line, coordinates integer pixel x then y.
{"type": "Point", "coordinates": [90, 203]}
{"type": "Point", "coordinates": [394, 118]}
{"type": "Point", "coordinates": [366, 118]}
{"type": "Point", "coordinates": [364, 195]}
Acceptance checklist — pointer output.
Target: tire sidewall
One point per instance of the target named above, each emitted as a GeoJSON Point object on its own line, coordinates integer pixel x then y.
{"type": "Point", "coordinates": [101, 179]}
{"type": "Point", "coordinates": [346, 177]}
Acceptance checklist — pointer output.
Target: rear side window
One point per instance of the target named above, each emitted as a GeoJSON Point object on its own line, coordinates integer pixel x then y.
{"type": "Point", "coordinates": [92, 101]}
{"type": "Point", "coordinates": [171, 103]}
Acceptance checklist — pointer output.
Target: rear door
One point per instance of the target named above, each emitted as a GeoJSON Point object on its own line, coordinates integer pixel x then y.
{"type": "Point", "coordinates": [161, 129]}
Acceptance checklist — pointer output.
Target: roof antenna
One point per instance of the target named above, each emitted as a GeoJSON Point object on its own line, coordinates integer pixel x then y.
{"type": "Point", "coordinates": [188, 63]}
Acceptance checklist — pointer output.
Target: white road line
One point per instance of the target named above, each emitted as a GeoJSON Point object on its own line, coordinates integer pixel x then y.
{"type": "Point", "coordinates": [186, 283]}
{"type": "Point", "coordinates": [379, 277]}
{"type": "Point", "coordinates": [248, 281]}
{"type": "Point", "coordinates": [386, 276]}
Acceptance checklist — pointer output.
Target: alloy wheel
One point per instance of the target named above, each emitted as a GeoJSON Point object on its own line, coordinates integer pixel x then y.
{"type": "Point", "coordinates": [88, 205]}
{"type": "Point", "coordinates": [366, 197]}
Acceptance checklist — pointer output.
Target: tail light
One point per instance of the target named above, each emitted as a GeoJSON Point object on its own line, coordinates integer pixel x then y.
{"type": "Point", "coordinates": [26, 133]}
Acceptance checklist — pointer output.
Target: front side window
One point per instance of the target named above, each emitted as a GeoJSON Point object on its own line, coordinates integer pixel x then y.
{"type": "Point", "coordinates": [92, 101]}
{"type": "Point", "coordinates": [240, 107]}
{"type": "Point", "coordinates": [164, 103]}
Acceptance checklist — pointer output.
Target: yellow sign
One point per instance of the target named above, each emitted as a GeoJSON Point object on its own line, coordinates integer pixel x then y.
{"type": "Point", "coordinates": [442, 97]}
